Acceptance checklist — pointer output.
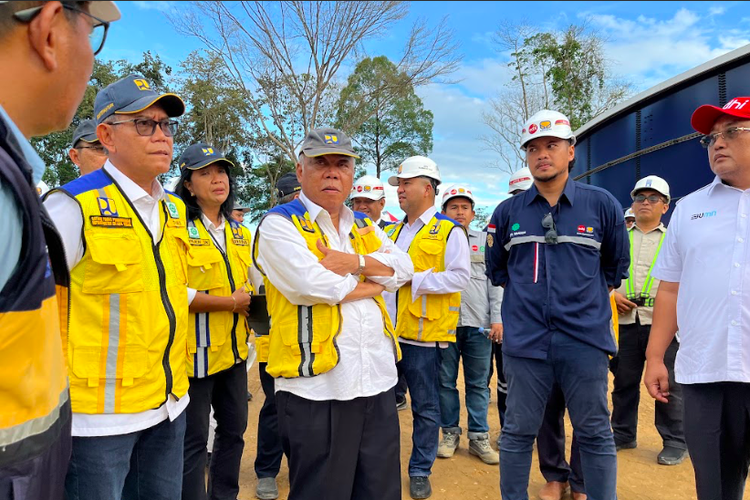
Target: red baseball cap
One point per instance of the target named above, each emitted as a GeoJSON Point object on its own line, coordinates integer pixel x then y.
{"type": "Point", "coordinates": [704, 117]}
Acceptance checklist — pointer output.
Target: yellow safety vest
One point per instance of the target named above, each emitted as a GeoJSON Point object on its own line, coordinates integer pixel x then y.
{"type": "Point", "coordinates": [217, 340]}
{"type": "Point", "coordinates": [432, 317]}
{"type": "Point", "coordinates": [127, 311]}
{"type": "Point", "coordinates": [302, 341]}
{"type": "Point", "coordinates": [34, 402]}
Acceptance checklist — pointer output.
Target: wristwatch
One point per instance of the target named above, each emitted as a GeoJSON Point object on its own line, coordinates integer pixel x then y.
{"type": "Point", "coordinates": [361, 265]}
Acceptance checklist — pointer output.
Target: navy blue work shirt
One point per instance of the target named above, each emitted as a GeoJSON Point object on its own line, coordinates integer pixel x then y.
{"type": "Point", "coordinates": [557, 287]}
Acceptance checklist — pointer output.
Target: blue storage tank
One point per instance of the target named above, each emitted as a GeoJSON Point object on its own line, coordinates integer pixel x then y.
{"type": "Point", "coordinates": [651, 133]}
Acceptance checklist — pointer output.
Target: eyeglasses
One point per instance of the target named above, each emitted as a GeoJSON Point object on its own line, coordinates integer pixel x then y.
{"type": "Point", "coordinates": [147, 127]}
{"type": "Point", "coordinates": [640, 198]}
{"type": "Point", "coordinates": [729, 134]}
{"type": "Point", "coordinates": [99, 28]}
{"type": "Point", "coordinates": [95, 149]}
{"type": "Point", "coordinates": [550, 237]}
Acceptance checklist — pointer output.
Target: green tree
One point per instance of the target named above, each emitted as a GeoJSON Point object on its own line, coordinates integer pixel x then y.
{"type": "Point", "coordinates": [53, 148]}
{"type": "Point", "coordinates": [396, 125]}
{"type": "Point", "coordinates": [260, 190]}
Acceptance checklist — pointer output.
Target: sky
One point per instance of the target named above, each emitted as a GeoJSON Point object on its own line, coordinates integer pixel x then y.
{"type": "Point", "coordinates": [645, 42]}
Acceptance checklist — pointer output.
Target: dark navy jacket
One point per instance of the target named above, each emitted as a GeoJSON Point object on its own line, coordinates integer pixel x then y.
{"type": "Point", "coordinates": [557, 287]}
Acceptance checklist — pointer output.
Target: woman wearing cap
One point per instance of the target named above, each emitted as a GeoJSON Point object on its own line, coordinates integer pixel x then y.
{"type": "Point", "coordinates": [218, 292]}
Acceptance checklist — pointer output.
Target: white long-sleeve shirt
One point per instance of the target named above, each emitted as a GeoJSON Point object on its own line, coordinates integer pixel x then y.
{"type": "Point", "coordinates": [366, 364]}
{"type": "Point", "coordinates": [455, 278]}
{"type": "Point", "coordinates": [66, 214]}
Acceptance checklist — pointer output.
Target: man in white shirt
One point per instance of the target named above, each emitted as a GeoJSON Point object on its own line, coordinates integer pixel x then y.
{"type": "Point", "coordinates": [125, 244]}
{"type": "Point", "coordinates": [426, 310]}
{"type": "Point", "coordinates": [705, 293]}
{"type": "Point", "coordinates": [331, 347]}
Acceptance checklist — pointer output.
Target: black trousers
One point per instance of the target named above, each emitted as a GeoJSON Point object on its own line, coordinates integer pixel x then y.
{"type": "Point", "coordinates": [41, 477]}
{"type": "Point", "coordinates": [226, 391]}
{"type": "Point", "coordinates": [341, 450]}
{"type": "Point", "coordinates": [502, 384]}
{"type": "Point", "coordinates": [269, 452]}
{"type": "Point", "coordinates": [550, 443]}
{"type": "Point", "coordinates": [401, 387]}
{"type": "Point", "coordinates": [717, 430]}
{"type": "Point", "coordinates": [627, 368]}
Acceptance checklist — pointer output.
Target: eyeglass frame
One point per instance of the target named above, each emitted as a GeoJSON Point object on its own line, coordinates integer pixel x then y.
{"type": "Point", "coordinates": [26, 15]}
{"type": "Point", "coordinates": [173, 124]}
{"type": "Point", "coordinates": [649, 198]}
{"type": "Point", "coordinates": [548, 222]}
{"type": "Point", "coordinates": [709, 140]}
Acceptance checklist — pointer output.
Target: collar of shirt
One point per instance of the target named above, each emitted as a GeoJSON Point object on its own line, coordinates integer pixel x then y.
{"type": "Point", "coordinates": [426, 217]}
{"type": "Point", "coordinates": [346, 216]}
{"type": "Point", "coordinates": [717, 183]}
{"type": "Point", "coordinates": [133, 191]}
{"type": "Point", "coordinates": [37, 164]}
{"type": "Point", "coordinates": [568, 193]}
{"type": "Point", "coordinates": [211, 226]}
{"type": "Point", "coordinates": [660, 227]}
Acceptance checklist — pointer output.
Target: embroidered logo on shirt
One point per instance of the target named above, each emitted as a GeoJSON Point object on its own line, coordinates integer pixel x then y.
{"type": "Point", "coordinates": [516, 226]}
{"type": "Point", "coordinates": [703, 215]}
{"type": "Point", "coordinates": [490, 240]}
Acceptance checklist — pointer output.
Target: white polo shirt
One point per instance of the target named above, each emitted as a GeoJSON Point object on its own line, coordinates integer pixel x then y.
{"type": "Point", "coordinates": [707, 251]}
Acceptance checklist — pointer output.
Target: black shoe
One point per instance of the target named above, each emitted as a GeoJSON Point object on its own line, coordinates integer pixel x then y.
{"type": "Point", "coordinates": [419, 487]}
{"type": "Point", "coordinates": [626, 446]}
{"type": "Point", "coordinates": [249, 396]}
{"type": "Point", "coordinates": [401, 403]}
{"type": "Point", "coordinates": [671, 456]}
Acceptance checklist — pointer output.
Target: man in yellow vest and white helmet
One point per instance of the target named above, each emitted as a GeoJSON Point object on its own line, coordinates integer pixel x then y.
{"type": "Point", "coordinates": [426, 310]}
{"type": "Point", "coordinates": [126, 316]}
{"type": "Point", "coordinates": [635, 305]}
{"type": "Point", "coordinates": [332, 348]}
{"type": "Point", "coordinates": [368, 197]}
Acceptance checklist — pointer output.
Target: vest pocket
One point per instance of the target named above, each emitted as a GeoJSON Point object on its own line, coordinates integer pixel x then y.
{"type": "Point", "coordinates": [428, 254]}
{"type": "Point", "coordinates": [116, 264]}
{"type": "Point", "coordinates": [92, 364]}
{"type": "Point", "coordinates": [205, 269]}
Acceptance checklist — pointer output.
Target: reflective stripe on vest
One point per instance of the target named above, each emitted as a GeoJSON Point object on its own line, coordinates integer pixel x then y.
{"type": "Point", "coordinates": [630, 282]}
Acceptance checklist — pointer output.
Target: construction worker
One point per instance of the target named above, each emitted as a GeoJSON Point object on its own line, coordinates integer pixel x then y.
{"type": "Point", "coordinates": [269, 450]}
{"type": "Point", "coordinates": [629, 218]}
{"type": "Point", "coordinates": [238, 213]}
{"type": "Point", "coordinates": [704, 293]}
{"type": "Point", "coordinates": [219, 295]}
{"type": "Point", "coordinates": [368, 197]}
{"type": "Point", "coordinates": [86, 152]}
{"type": "Point", "coordinates": [332, 348]}
{"type": "Point", "coordinates": [480, 308]}
{"type": "Point", "coordinates": [635, 304]}
{"type": "Point", "coordinates": [47, 51]}
{"type": "Point", "coordinates": [126, 316]}
{"type": "Point", "coordinates": [426, 310]}
{"type": "Point", "coordinates": [556, 249]}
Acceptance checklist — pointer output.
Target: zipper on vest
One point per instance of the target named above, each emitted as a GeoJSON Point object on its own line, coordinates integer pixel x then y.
{"type": "Point", "coordinates": [235, 348]}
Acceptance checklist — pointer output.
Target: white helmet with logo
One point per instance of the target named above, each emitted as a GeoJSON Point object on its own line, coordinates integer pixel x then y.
{"type": "Point", "coordinates": [547, 123]}
{"type": "Point", "coordinates": [459, 191]}
{"type": "Point", "coordinates": [368, 186]}
{"type": "Point", "coordinates": [629, 214]}
{"type": "Point", "coordinates": [652, 182]}
{"type": "Point", "coordinates": [416, 166]}
{"type": "Point", "coordinates": [520, 181]}
{"type": "Point", "coordinates": [42, 188]}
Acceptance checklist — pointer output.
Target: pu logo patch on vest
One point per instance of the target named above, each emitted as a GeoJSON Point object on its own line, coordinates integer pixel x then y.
{"type": "Point", "coordinates": [306, 226]}
{"type": "Point", "coordinates": [109, 216]}
{"type": "Point", "coordinates": [331, 139]}
{"type": "Point", "coordinates": [239, 238]}
{"type": "Point", "coordinates": [142, 84]}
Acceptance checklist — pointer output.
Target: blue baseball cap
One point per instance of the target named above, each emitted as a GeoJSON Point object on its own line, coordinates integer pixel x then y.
{"type": "Point", "coordinates": [200, 155]}
{"type": "Point", "coordinates": [133, 94]}
{"type": "Point", "coordinates": [86, 132]}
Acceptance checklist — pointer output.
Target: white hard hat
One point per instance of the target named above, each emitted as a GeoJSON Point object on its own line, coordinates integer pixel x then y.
{"type": "Point", "coordinates": [458, 191]}
{"type": "Point", "coordinates": [42, 188]}
{"type": "Point", "coordinates": [520, 180]}
{"type": "Point", "coordinates": [369, 187]}
{"type": "Point", "coordinates": [416, 166]}
{"type": "Point", "coordinates": [629, 213]}
{"type": "Point", "coordinates": [546, 123]}
{"type": "Point", "coordinates": [652, 182]}
{"type": "Point", "coordinates": [171, 183]}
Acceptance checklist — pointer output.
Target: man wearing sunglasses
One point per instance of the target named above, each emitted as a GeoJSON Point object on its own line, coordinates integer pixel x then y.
{"type": "Point", "coordinates": [86, 152]}
{"type": "Point", "coordinates": [126, 317]}
{"type": "Point", "coordinates": [47, 59]}
{"type": "Point", "coordinates": [558, 249]}
{"type": "Point", "coordinates": [704, 292]}
{"type": "Point", "coordinates": [635, 305]}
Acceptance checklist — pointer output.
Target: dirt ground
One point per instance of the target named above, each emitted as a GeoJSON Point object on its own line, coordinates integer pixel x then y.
{"type": "Point", "coordinates": [639, 477]}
